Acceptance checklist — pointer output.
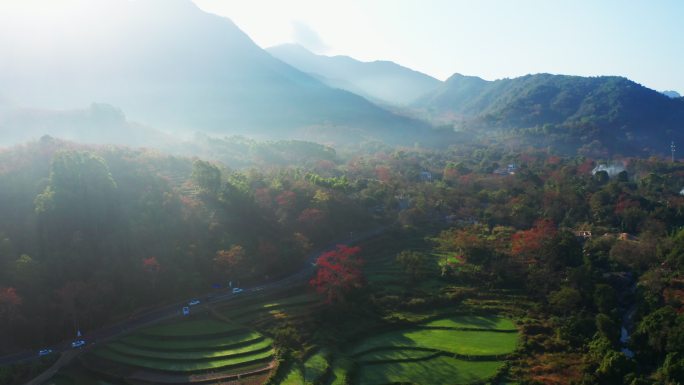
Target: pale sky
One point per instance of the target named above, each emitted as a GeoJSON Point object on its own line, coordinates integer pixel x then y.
{"type": "Point", "coordinates": [641, 40]}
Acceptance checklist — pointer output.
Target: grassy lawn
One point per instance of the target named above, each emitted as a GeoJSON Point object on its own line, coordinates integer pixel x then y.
{"type": "Point", "coordinates": [474, 322]}
{"type": "Point", "coordinates": [339, 371]}
{"type": "Point", "coordinates": [315, 366]}
{"type": "Point", "coordinates": [395, 354]}
{"type": "Point", "coordinates": [196, 343]}
{"type": "Point", "coordinates": [294, 377]}
{"type": "Point", "coordinates": [194, 327]}
{"type": "Point", "coordinates": [440, 370]}
{"type": "Point", "coordinates": [451, 341]}
{"type": "Point", "coordinates": [190, 355]}
{"type": "Point", "coordinates": [181, 366]}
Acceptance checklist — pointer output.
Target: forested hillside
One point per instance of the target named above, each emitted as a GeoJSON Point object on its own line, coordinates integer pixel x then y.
{"type": "Point", "coordinates": [596, 115]}
{"type": "Point", "coordinates": [101, 232]}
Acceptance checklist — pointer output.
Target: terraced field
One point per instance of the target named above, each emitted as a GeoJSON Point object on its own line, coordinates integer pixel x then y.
{"type": "Point", "coordinates": [440, 348]}
{"type": "Point", "coordinates": [340, 370]}
{"type": "Point", "coordinates": [460, 342]}
{"type": "Point", "coordinates": [267, 312]}
{"type": "Point", "coordinates": [220, 347]}
{"type": "Point", "coordinates": [455, 349]}
{"type": "Point", "coordinates": [202, 349]}
{"type": "Point", "coordinates": [474, 322]}
{"type": "Point", "coordinates": [313, 369]}
{"type": "Point", "coordinates": [440, 370]}
{"type": "Point", "coordinates": [460, 349]}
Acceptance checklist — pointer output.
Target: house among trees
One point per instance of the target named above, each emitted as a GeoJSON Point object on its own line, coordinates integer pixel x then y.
{"type": "Point", "coordinates": [508, 170]}
{"type": "Point", "coordinates": [627, 237]}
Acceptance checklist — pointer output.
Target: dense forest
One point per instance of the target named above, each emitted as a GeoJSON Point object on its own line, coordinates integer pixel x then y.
{"type": "Point", "coordinates": [100, 232]}
{"type": "Point", "coordinates": [595, 246]}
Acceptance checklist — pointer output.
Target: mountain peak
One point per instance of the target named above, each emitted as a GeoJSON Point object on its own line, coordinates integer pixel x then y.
{"type": "Point", "coordinates": [170, 65]}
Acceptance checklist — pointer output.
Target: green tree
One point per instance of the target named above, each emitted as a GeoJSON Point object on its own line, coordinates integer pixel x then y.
{"type": "Point", "coordinates": [613, 368]}
{"type": "Point", "coordinates": [608, 328]}
{"type": "Point", "coordinates": [653, 332]}
{"type": "Point", "coordinates": [206, 176]}
{"type": "Point", "coordinates": [672, 369]}
{"type": "Point", "coordinates": [605, 298]}
{"type": "Point", "coordinates": [567, 300]}
{"type": "Point", "coordinates": [78, 206]}
{"type": "Point", "coordinates": [414, 263]}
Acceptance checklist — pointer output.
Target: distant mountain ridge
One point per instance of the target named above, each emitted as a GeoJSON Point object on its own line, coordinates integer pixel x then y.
{"type": "Point", "coordinates": [170, 65]}
{"type": "Point", "coordinates": [618, 113]}
{"type": "Point", "coordinates": [672, 94]}
{"type": "Point", "coordinates": [380, 81]}
{"type": "Point", "coordinates": [97, 124]}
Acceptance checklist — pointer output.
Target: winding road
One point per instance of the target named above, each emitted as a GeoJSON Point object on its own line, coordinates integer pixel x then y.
{"type": "Point", "coordinates": [175, 310]}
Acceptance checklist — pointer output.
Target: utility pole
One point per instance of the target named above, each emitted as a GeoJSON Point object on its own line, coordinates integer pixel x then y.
{"type": "Point", "coordinates": [672, 150]}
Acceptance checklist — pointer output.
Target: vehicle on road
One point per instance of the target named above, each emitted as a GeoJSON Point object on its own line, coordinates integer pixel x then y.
{"type": "Point", "coordinates": [44, 352]}
{"type": "Point", "coordinates": [237, 290]}
{"type": "Point", "coordinates": [194, 302]}
{"type": "Point", "coordinates": [78, 343]}
{"type": "Point", "coordinates": [186, 310]}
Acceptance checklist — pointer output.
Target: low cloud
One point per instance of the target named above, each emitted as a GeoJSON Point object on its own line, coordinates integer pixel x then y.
{"type": "Point", "coordinates": [612, 169]}
{"type": "Point", "coordinates": [305, 36]}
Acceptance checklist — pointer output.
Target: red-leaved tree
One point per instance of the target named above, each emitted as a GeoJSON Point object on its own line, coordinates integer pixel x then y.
{"type": "Point", "coordinates": [527, 244]}
{"type": "Point", "coordinates": [9, 301]}
{"type": "Point", "coordinates": [339, 272]}
{"type": "Point", "coordinates": [151, 267]}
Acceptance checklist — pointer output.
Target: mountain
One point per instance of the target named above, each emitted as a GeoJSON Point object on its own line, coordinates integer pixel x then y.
{"type": "Point", "coordinates": [98, 124]}
{"type": "Point", "coordinates": [672, 94]}
{"type": "Point", "coordinates": [610, 112]}
{"type": "Point", "coordinates": [381, 81]}
{"type": "Point", "coordinates": [170, 65]}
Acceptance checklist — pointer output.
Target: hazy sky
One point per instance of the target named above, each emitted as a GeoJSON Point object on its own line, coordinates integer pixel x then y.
{"type": "Point", "coordinates": [642, 40]}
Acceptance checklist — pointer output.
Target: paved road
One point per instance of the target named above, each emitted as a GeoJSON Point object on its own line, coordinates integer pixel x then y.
{"type": "Point", "coordinates": [63, 360]}
{"type": "Point", "coordinates": [175, 310]}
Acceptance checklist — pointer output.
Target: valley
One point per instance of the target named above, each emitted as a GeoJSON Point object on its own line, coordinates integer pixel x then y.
{"type": "Point", "coordinates": [341, 193]}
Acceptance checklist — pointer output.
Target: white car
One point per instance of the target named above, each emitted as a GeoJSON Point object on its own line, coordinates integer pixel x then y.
{"type": "Point", "coordinates": [78, 344]}
{"type": "Point", "coordinates": [194, 302]}
{"type": "Point", "coordinates": [237, 290]}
